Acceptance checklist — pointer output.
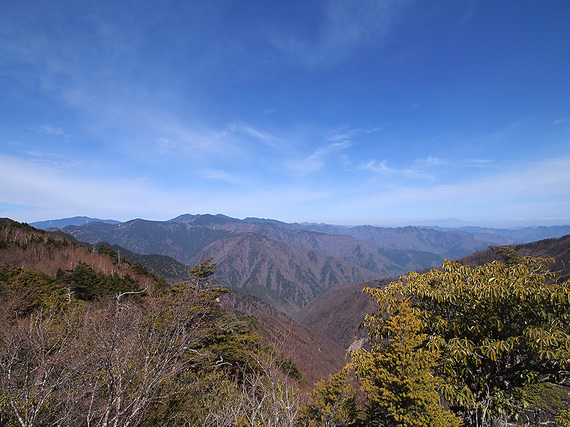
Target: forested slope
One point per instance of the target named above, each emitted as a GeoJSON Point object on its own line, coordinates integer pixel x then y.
{"type": "Point", "coordinates": [86, 341]}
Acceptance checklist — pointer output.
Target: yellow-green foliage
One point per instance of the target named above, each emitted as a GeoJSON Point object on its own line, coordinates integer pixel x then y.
{"type": "Point", "coordinates": [396, 375]}
{"type": "Point", "coordinates": [497, 327]}
{"type": "Point", "coordinates": [490, 343]}
{"type": "Point", "coordinates": [333, 403]}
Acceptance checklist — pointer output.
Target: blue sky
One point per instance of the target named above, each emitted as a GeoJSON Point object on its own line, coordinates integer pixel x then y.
{"type": "Point", "coordinates": [347, 112]}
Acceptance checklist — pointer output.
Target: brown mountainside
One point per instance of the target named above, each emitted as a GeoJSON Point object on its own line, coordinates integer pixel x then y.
{"type": "Point", "coordinates": [372, 256]}
{"type": "Point", "coordinates": [449, 244]}
{"type": "Point", "coordinates": [24, 246]}
{"type": "Point", "coordinates": [339, 311]}
{"type": "Point", "coordinates": [280, 264]}
{"type": "Point", "coordinates": [286, 276]}
{"type": "Point", "coordinates": [315, 354]}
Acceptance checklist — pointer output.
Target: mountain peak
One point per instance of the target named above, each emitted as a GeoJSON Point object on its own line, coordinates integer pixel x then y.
{"type": "Point", "coordinates": [64, 222]}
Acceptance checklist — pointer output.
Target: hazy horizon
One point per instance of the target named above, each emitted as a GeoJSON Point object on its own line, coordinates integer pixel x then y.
{"type": "Point", "coordinates": [441, 223]}
{"type": "Point", "coordinates": [369, 112]}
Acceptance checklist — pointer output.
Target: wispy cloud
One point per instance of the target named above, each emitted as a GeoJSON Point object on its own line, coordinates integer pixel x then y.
{"type": "Point", "coordinates": [258, 134]}
{"type": "Point", "coordinates": [164, 145]}
{"type": "Point", "coordinates": [345, 25]}
{"type": "Point", "coordinates": [382, 168]}
{"type": "Point", "coordinates": [430, 167]}
{"type": "Point", "coordinates": [346, 132]}
{"type": "Point", "coordinates": [431, 161]}
{"type": "Point", "coordinates": [199, 141]}
{"type": "Point", "coordinates": [49, 130]}
{"type": "Point", "coordinates": [217, 175]}
{"type": "Point", "coordinates": [319, 157]}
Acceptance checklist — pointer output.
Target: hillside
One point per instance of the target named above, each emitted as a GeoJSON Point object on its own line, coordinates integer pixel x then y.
{"type": "Point", "coordinates": [557, 248]}
{"type": "Point", "coordinates": [162, 265]}
{"type": "Point", "coordinates": [316, 354]}
{"type": "Point", "coordinates": [339, 311]}
{"type": "Point", "coordinates": [286, 276]}
{"type": "Point", "coordinates": [282, 265]}
{"type": "Point", "coordinates": [25, 250]}
{"type": "Point", "coordinates": [22, 246]}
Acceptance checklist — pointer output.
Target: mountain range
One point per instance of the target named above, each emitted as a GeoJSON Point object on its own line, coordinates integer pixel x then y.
{"type": "Point", "coordinates": [338, 312]}
{"type": "Point", "coordinates": [314, 314]}
{"type": "Point", "coordinates": [287, 265]}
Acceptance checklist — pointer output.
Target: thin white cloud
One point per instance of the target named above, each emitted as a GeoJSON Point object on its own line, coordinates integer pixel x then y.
{"type": "Point", "coordinates": [344, 26]}
{"type": "Point", "coordinates": [49, 130]}
{"type": "Point", "coordinates": [319, 157]}
{"type": "Point", "coordinates": [431, 161]}
{"type": "Point", "coordinates": [382, 168]}
{"type": "Point", "coordinates": [532, 189]}
{"type": "Point", "coordinates": [164, 145]}
{"type": "Point", "coordinates": [257, 134]}
{"type": "Point", "coordinates": [196, 141]}
{"type": "Point", "coordinates": [217, 175]}
{"type": "Point", "coordinates": [346, 132]}
{"type": "Point", "coordinates": [185, 140]}
{"type": "Point", "coordinates": [423, 168]}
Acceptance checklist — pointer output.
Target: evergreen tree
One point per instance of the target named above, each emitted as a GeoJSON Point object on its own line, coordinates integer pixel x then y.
{"type": "Point", "coordinates": [498, 328]}
{"type": "Point", "coordinates": [396, 375]}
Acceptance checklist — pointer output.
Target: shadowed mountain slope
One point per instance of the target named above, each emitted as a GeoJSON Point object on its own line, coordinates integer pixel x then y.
{"type": "Point", "coordinates": [339, 311]}
{"type": "Point", "coordinates": [283, 266]}
{"type": "Point", "coordinates": [284, 275]}
{"type": "Point", "coordinates": [448, 244]}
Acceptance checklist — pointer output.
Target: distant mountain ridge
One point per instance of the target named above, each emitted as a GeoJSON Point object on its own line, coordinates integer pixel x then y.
{"type": "Point", "coordinates": [516, 235]}
{"type": "Point", "coordinates": [288, 265]}
{"type": "Point", "coordinates": [339, 311]}
{"type": "Point", "coordinates": [284, 275]}
{"type": "Point", "coordinates": [310, 287]}
{"type": "Point", "coordinates": [64, 222]}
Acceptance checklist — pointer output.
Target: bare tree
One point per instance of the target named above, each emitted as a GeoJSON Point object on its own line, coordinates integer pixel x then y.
{"type": "Point", "coordinates": [33, 366]}
{"type": "Point", "coordinates": [99, 364]}
{"type": "Point", "coordinates": [266, 396]}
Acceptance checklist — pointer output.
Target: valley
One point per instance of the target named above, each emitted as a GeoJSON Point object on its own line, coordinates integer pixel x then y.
{"type": "Point", "coordinates": [288, 265]}
{"type": "Point", "coordinates": [299, 287]}
{"type": "Point", "coordinates": [310, 276]}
